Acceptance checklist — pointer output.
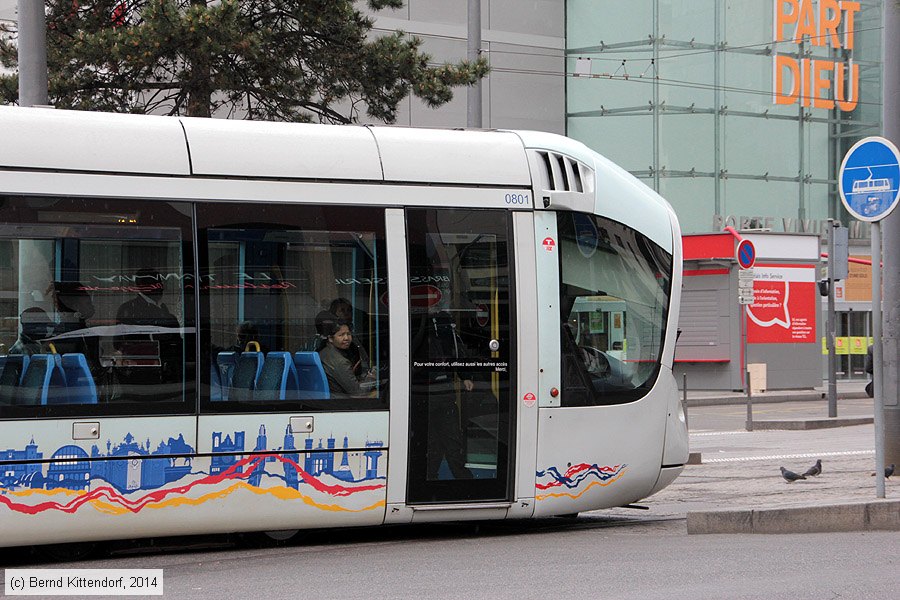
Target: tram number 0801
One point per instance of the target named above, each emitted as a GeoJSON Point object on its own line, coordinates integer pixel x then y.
{"type": "Point", "coordinates": [516, 198]}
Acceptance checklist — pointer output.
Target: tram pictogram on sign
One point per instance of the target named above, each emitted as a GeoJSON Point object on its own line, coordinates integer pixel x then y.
{"type": "Point", "coordinates": [869, 179]}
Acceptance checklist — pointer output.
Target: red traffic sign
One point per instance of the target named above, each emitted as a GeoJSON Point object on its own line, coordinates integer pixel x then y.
{"type": "Point", "coordinates": [482, 315]}
{"type": "Point", "coordinates": [424, 296]}
{"type": "Point", "coordinates": [746, 254]}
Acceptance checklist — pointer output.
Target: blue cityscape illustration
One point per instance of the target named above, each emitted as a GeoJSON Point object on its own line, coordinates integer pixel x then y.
{"type": "Point", "coordinates": [316, 461]}
{"type": "Point", "coordinates": [71, 467]}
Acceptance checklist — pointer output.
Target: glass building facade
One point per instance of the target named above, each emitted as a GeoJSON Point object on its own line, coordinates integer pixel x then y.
{"type": "Point", "coordinates": [728, 108]}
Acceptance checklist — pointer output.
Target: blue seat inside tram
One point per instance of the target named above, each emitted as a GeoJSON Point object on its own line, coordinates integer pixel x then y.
{"type": "Point", "coordinates": [12, 367]}
{"type": "Point", "coordinates": [278, 379]}
{"type": "Point", "coordinates": [226, 362]}
{"type": "Point", "coordinates": [215, 384]}
{"type": "Point", "coordinates": [247, 369]}
{"type": "Point", "coordinates": [81, 387]}
{"type": "Point", "coordinates": [44, 381]}
{"type": "Point", "coordinates": [312, 381]}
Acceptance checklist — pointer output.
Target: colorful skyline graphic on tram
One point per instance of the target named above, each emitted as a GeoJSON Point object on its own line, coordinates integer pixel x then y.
{"type": "Point", "coordinates": [576, 480]}
{"type": "Point", "coordinates": [318, 478]}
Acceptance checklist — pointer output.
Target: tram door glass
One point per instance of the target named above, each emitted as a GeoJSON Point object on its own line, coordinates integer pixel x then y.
{"type": "Point", "coordinates": [460, 355]}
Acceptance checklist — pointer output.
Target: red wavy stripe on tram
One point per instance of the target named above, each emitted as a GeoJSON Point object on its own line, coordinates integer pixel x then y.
{"type": "Point", "coordinates": [132, 505]}
{"type": "Point", "coordinates": [334, 490]}
{"type": "Point", "coordinates": [575, 474]}
{"type": "Point", "coordinates": [136, 505]}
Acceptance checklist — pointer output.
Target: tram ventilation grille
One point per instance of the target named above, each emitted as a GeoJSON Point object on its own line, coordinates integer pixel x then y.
{"type": "Point", "coordinates": [562, 173]}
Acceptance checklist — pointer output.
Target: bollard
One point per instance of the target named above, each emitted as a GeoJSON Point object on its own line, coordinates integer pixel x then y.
{"type": "Point", "coordinates": [749, 404]}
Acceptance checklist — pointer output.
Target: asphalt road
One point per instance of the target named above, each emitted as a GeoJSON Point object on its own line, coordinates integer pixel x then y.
{"type": "Point", "coordinates": [591, 557]}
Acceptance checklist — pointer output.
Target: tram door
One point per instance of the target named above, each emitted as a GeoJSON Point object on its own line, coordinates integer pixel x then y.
{"type": "Point", "coordinates": [461, 351]}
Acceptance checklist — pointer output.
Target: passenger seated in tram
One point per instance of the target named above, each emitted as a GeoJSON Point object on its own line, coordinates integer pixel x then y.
{"type": "Point", "coordinates": [344, 311]}
{"type": "Point", "coordinates": [246, 332]}
{"type": "Point", "coordinates": [338, 361]}
{"type": "Point", "coordinates": [34, 325]}
{"type": "Point", "coordinates": [150, 361]}
{"type": "Point", "coordinates": [355, 353]}
{"type": "Point", "coordinates": [74, 307]}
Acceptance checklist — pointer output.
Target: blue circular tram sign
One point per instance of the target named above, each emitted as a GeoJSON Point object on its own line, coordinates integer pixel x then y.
{"type": "Point", "coordinates": [746, 254]}
{"type": "Point", "coordinates": [869, 180]}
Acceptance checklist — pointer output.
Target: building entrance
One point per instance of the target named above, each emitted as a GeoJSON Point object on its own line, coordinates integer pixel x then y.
{"type": "Point", "coordinates": [854, 330]}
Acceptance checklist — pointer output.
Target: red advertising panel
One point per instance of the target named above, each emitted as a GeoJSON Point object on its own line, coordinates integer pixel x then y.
{"type": "Point", "coordinates": [784, 310]}
{"type": "Point", "coordinates": [711, 245]}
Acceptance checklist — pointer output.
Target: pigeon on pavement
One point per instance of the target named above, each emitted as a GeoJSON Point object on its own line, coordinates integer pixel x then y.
{"type": "Point", "coordinates": [814, 470]}
{"type": "Point", "coordinates": [790, 476]}
{"type": "Point", "coordinates": [888, 471]}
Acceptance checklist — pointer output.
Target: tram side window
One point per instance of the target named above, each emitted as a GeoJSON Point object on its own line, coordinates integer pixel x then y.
{"type": "Point", "coordinates": [293, 307]}
{"type": "Point", "coordinates": [614, 300]}
{"type": "Point", "coordinates": [97, 307]}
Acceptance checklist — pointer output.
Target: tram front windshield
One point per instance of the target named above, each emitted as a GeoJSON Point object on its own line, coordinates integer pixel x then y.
{"type": "Point", "coordinates": [614, 298]}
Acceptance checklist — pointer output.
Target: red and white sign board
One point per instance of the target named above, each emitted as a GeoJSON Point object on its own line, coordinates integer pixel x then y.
{"type": "Point", "coordinates": [482, 315]}
{"type": "Point", "coordinates": [424, 296]}
{"type": "Point", "coordinates": [529, 399]}
{"type": "Point", "coordinates": [549, 244]}
{"type": "Point", "coordinates": [784, 307]}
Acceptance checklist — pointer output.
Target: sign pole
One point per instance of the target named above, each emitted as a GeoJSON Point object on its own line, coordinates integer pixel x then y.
{"type": "Point", "coordinates": [890, 280]}
{"type": "Point", "coordinates": [746, 258]}
{"type": "Point", "coordinates": [878, 370]}
{"type": "Point", "coordinates": [830, 326]}
{"type": "Point", "coordinates": [749, 424]}
{"type": "Point", "coordinates": [869, 184]}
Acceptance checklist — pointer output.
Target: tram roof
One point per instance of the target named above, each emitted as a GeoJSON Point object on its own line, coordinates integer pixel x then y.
{"type": "Point", "coordinates": [157, 145]}
{"type": "Point", "coordinates": [93, 142]}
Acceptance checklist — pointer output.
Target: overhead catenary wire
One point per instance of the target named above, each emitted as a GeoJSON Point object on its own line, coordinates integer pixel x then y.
{"type": "Point", "coordinates": [723, 47]}
{"type": "Point", "coordinates": [677, 83]}
{"type": "Point", "coordinates": [573, 52]}
{"type": "Point", "coordinates": [653, 63]}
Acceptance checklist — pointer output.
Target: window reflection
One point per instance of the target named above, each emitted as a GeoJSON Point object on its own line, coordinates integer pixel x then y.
{"type": "Point", "coordinates": [614, 302]}
{"type": "Point", "coordinates": [95, 305]}
{"type": "Point", "coordinates": [294, 298]}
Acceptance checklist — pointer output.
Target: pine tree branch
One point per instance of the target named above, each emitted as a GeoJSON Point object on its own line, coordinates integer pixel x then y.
{"type": "Point", "coordinates": [286, 59]}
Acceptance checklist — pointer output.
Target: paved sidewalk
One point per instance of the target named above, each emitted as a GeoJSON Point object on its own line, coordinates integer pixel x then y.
{"type": "Point", "coordinates": [845, 389]}
{"type": "Point", "coordinates": [738, 486]}
{"type": "Point", "coordinates": [779, 415]}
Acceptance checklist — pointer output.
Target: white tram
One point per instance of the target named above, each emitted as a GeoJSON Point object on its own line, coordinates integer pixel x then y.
{"type": "Point", "coordinates": [219, 326]}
